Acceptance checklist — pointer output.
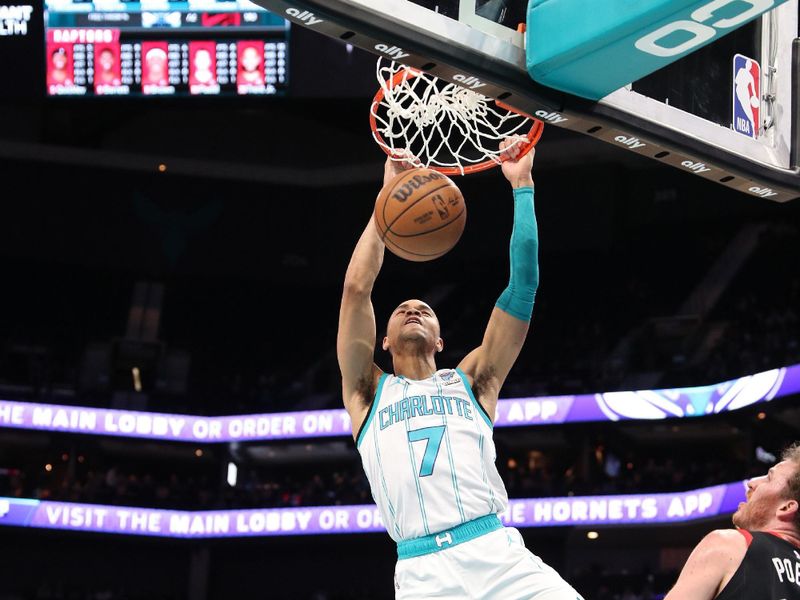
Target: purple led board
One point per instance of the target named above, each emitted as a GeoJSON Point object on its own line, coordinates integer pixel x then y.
{"type": "Point", "coordinates": [608, 406]}
{"type": "Point", "coordinates": [532, 512]}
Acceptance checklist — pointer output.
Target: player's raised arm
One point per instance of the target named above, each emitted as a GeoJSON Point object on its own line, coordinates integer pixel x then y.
{"type": "Point", "coordinates": [355, 343]}
{"type": "Point", "coordinates": [489, 364]}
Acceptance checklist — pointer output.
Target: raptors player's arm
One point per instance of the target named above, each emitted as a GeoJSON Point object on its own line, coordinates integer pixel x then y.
{"type": "Point", "coordinates": [488, 365]}
{"type": "Point", "coordinates": [355, 342]}
{"type": "Point", "coordinates": [710, 566]}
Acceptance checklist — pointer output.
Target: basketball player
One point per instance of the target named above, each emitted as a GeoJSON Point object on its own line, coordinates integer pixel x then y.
{"type": "Point", "coordinates": [203, 64]}
{"type": "Point", "coordinates": [59, 61]}
{"type": "Point", "coordinates": [760, 560]}
{"type": "Point", "coordinates": [250, 72]}
{"type": "Point", "coordinates": [105, 71]}
{"type": "Point", "coordinates": [155, 71]}
{"type": "Point", "coordinates": [425, 435]}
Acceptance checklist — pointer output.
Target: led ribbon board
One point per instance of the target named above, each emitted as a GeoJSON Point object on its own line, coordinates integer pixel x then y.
{"type": "Point", "coordinates": [547, 410]}
{"type": "Point", "coordinates": [603, 45]}
{"type": "Point", "coordinates": [531, 512]}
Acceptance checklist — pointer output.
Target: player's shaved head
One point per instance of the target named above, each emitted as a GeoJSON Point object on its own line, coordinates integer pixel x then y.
{"type": "Point", "coordinates": [413, 322]}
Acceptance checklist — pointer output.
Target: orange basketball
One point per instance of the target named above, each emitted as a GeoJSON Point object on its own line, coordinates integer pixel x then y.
{"type": "Point", "coordinates": [420, 214]}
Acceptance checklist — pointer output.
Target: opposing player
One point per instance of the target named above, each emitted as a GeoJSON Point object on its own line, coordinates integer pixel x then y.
{"type": "Point", "coordinates": [425, 435]}
{"type": "Point", "coordinates": [760, 560]}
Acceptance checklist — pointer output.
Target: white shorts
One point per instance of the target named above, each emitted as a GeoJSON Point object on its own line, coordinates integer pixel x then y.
{"type": "Point", "coordinates": [494, 566]}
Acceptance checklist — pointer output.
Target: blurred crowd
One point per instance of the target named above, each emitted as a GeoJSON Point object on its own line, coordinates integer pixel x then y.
{"type": "Point", "coordinates": [600, 584]}
{"type": "Point", "coordinates": [538, 474]}
{"type": "Point", "coordinates": [614, 586]}
{"type": "Point", "coordinates": [581, 341]}
{"type": "Point", "coordinates": [594, 469]}
{"type": "Point", "coordinates": [594, 583]}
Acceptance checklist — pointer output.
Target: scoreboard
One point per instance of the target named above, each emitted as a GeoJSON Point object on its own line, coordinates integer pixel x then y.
{"type": "Point", "coordinates": [164, 48]}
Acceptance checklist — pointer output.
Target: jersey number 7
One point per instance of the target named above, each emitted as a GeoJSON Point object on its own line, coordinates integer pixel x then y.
{"type": "Point", "coordinates": [433, 436]}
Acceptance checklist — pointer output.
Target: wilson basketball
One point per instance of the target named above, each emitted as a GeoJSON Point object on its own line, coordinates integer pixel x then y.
{"type": "Point", "coordinates": [420, 214]}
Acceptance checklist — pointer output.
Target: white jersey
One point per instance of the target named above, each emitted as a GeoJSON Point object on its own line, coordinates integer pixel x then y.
{"type": "Point", "coordinates": [428, 452]}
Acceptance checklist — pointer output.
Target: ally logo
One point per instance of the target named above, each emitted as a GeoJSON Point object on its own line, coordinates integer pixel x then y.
{"type": "Point", "coordinates": [304, 16]}
{"type": "Point", "coordinates": [394, 51]}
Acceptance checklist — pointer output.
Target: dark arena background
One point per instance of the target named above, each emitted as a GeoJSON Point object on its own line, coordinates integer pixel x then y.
{"type": "Point", "coordinates": [184, 254]}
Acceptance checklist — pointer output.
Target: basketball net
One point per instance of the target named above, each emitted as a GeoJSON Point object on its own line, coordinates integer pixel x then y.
{"type": "Point", "coordinates": [446, 127]}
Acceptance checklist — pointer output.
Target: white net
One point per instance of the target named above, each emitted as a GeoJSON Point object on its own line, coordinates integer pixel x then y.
{"type": "Point", "coordinates": [446, 126]}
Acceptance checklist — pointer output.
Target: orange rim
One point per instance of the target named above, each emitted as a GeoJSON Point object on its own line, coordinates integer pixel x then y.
{"type": "Point", "coordinates": [537, 127]}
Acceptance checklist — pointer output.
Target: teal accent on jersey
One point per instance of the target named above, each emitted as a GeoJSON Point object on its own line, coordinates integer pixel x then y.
{"type": "Point", "coordinates": [454, 477]}
{"type": "Point", "coordinates": [433, 435]}
{"type": "Point", "coordinates": [451, 460]}
{"type": "Point", "coordinates": [483, 468]}
{"type": "Point", "coordinates": [478, 406]}
{"type": "Point", "coordinates": [603, 45]}
{"type": "Point", "coordinates": [448, 538]}
{"type": "Point", "coordinates": [372, 409]}
{"type": "Point", "coordinates": [416, 481]}
{"type": "Point", "coordinates": [517, 299]}
{"type": "Point", "coordinates": [397, 529]}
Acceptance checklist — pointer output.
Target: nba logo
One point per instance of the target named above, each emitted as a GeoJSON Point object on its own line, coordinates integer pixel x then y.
{"type": "Point", "coordinates": [746, 95]}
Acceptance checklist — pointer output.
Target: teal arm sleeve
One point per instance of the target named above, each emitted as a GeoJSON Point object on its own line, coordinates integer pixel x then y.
{"type": "Point", "coordinates": [517, 298]}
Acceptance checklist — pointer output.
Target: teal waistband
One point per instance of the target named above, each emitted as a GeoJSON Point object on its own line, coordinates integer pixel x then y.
{"type": "Point", "coordinates": [448, 538]}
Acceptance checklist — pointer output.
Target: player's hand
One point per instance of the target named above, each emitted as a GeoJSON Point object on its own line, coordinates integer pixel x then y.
{"type": "Point", "coordinates": [400, 161]}
{"type": "Point", "coordinates": [516, 169]}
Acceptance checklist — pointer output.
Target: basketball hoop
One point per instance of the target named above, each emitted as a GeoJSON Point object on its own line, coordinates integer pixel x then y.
{"type": "Point", "coordinates": [447, 127]}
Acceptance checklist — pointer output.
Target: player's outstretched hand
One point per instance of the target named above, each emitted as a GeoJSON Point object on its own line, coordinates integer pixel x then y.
{"type": "Point", "coordinates": [515, 168]}
{"type": "Point", "coordinates": [400, 161]}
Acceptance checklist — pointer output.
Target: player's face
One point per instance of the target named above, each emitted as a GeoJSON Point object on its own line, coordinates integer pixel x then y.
{"type": "Point", "coordinates": [250, 59]}
{"type": "Point", "coordinates": [413, 320]}
{"type": "Point", "coordinates": [59, 60]}
{"type": "Point", "coordinates": [155, 66]}
{"type": "Point", "coordinates": [107, 60]}
{"type": "Point", "coordinates": [202, 60]}
{"type": "Point", "coordinates": [765, 495]}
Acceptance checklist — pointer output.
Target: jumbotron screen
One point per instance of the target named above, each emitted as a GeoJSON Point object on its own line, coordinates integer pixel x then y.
{"type": "Point", "coordinates": [164, 48]}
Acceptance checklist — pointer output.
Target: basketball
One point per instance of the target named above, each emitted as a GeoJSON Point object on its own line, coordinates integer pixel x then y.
{"type": "Point", "coordinates": [420, 214]}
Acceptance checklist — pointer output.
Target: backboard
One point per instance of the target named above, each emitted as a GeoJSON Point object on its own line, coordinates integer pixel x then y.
{"type": "Point", "coordinates": [682, 115]}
